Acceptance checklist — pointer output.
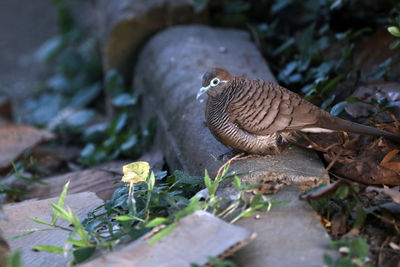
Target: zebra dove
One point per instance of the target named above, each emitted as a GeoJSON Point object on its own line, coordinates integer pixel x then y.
{"type": "Point", "coordinates": [255, 116]}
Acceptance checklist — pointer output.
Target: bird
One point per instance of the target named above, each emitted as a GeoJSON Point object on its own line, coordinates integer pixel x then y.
{"type": "Point", "coordinates": [256, 116]}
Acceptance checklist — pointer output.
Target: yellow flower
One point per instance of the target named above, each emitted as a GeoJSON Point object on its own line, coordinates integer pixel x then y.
{"type": "Point", "coordinates": [135, 172]}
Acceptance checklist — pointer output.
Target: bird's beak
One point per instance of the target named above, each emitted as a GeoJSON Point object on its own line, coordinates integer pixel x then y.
{"type": "Point", "coordinates": [202, 91]}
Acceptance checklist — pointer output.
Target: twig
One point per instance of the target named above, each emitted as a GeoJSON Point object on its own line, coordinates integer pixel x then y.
{"type": "Point", "coordinates": [228, 162]}
{"type": "Point", "coordinates": [334, 159]}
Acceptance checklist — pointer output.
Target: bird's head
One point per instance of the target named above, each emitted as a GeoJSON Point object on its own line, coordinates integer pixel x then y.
{"type": "Point", "coordinates": [214, 82]}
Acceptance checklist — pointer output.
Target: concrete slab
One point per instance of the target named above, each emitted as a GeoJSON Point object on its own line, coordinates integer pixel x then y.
{"type": "Point", "coordinates": [194, 239]}
{"type": "Point", "coordinates": [288, 235]}
{"type": "Point", "coordinates": [18, 223]}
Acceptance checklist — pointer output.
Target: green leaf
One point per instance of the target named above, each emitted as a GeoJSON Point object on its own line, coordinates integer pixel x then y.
{"type": "Point", "coordinates": [83, 254]}
{"type": "Point", "coordinates": [124, 218]}
{"type": "Point", "coordinates": [118, 124]}
{"type": "Point", "coordinates": [124, 100]}
{"type": "Point", "coordinates": [353, 99]}
{"type": "Point", "coordinates": [328, 260]}
{"type": "Point", "coordinates": [78, 243]}
{"type": "Point", "coordinates": [328, 102]}
{"type": "Point", "coordinates": [88, 150]}
{"type": "Point", "coordinates": [342, 191]}
{"type": "Point", "coordinates": [60, 203]}
{"type": "Point", "coordinates": [16, 237]}
{"type": "Point", "coordinates": [279, 5]}
{"type": "Point", "coordinates": [394, 44]}
{"type": "Point", "coordinates": [40, 221]}
{"type": "Point", "coordinates": [85, 96]}
{"type": "Point", "coordinates": [256, 200]}
{"type": "Point", "coordinates": [79, 118]}
{"type": "Point", "coordinates": [156, 222]}
{"type": "Point", "coordinates": [182, 178]}
{"type": "Point", "coordinates": [306, 38]}
{"type": "Point", "coordinates": [65, 19]}
{"type": "Point", "coordinates": [151, 180]}
{"type": "Point", "coordinates": [14, 260]}
{"type": "Point", "coordinates": [191, 208]}
{"type": "Point", "coordinates": [49, 249]}
{"type": "Point", "coordinates": [338, 108]}
{"type": "Point", "coordinates": [207, 182]}
{"type": "Point", "coordinates": [79, 229]}
{"type": "Point", "coordinates": [238, 183]}
{"type": "Point", "coordinates": [61, 212]}
{"type": "Point", "coordinates": [361, 216]}
{"type": "Point", "coordinates": [283, 46]}
{"type": "Point", "coordinates": [359, 247]}
{"type": "Point", "coordinates": [199, 5]}
{"type": "Point", "coordinates": [161, 234]}
{"type": "Point", "coordinates": [395, 31]}
{"type": "Point", "coordinates": [114, 83]}
{"type": "Point", "coordinates": [331, 85]}
{"type": "Point", "coordinates": [50, 48]}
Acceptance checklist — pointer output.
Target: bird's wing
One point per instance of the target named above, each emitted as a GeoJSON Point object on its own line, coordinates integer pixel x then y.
{"type": "Point", "coordinates": [264, 108]}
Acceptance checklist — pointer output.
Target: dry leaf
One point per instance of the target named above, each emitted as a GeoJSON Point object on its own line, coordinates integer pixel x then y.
{"type": "Point", "coordinates": [323, 191]}
{"type": "Point", "coordinates": [15, 139]}
{"type": "Point", "coordinates": [394, 194]}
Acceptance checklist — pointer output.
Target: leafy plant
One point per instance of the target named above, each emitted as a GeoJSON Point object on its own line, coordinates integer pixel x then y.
{"type": "Point", "coordinates": [354, 253]}
{"type": "Point", "coordinates": [151, 201]}
{"type": "Point", "coordinates": [395, 31]}
{"type": "Point", "coordinates": [24, 172]}
{"type": "Point", "coordinates": [14, 259]}
{"type": "Point", "coordinates": [344, 201]}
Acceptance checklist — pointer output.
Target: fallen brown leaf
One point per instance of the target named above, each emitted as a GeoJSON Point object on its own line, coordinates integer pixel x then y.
{"type": "Point", "coordinates": [393, 194]}
{"type": "Point", "coordinates": [386, 161]}
{"type": "Point", "coordinates": [15, 139]}
{"type": "Point", "coordinates": [322, 191]}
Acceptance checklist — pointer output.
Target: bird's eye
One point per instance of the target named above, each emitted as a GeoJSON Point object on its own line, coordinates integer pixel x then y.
{"type": "Point", "coordinates": [214, 82]}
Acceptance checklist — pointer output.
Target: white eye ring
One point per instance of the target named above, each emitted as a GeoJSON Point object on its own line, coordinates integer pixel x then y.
{"type": "Point", "coordinates": [214, 82]}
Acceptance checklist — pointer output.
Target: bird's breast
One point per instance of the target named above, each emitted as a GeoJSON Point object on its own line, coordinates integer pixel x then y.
{"type": "Point", "coordinates": [230, 134]}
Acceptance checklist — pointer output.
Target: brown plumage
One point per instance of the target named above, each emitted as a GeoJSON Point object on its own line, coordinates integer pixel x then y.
{"type": "Point", "coordinates": [253, 115]}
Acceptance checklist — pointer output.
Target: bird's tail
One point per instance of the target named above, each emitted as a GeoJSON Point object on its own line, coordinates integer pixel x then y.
{"type": "Point", "coordinates": [348, 126]}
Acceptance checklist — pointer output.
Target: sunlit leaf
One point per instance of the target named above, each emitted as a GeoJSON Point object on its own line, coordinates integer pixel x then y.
{"type": "Point", "coordinates": [60, 203]}
{"type": "Point", "coordinates": [49, 249]}
{"type": "Point", "coordinates": [151, 181]}
{"type": "Point", "coordinates": [395, 31]}
{"type": "Point", "coordinates": [156, 222]}
{"type": "Point", "coordinates": [124, 218]}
